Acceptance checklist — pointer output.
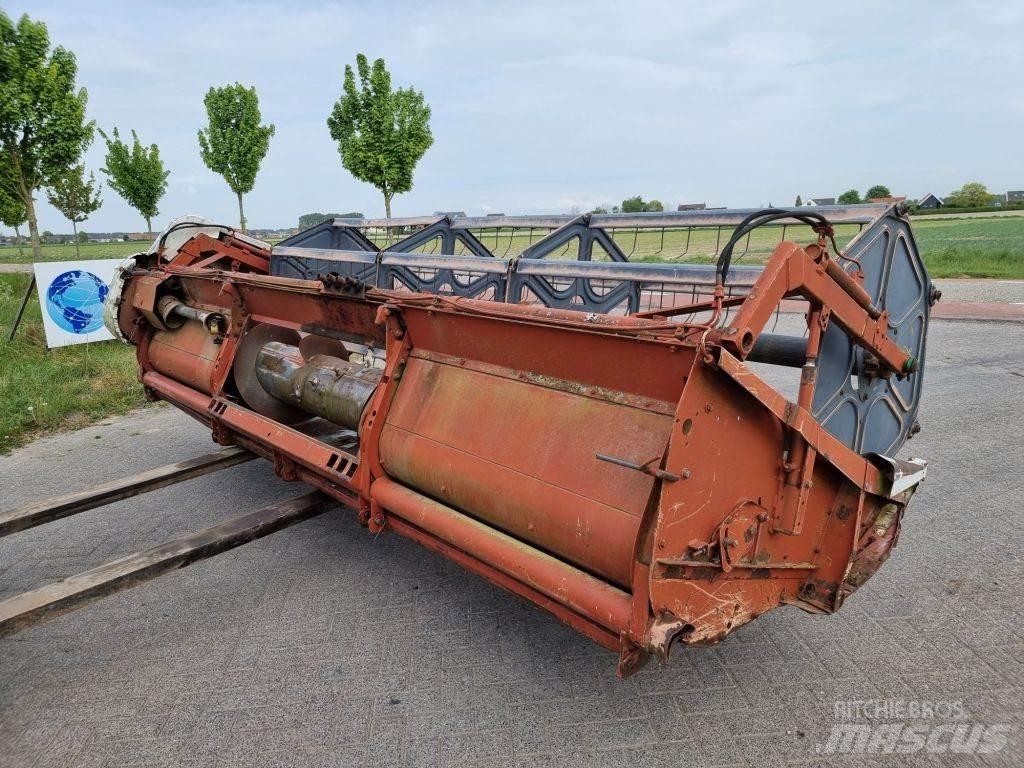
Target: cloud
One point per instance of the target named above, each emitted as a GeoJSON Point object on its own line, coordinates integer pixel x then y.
{"type": "Point", "coordinates": [543, 106]}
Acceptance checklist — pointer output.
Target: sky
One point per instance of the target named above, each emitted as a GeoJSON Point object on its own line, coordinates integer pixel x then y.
{"type": "Point", "coordinates": [546, 107]}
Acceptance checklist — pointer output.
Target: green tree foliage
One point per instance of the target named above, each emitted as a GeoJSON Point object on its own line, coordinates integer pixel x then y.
{"type": "Point", "coordinates": [798, 202]}
{"type": "Point", "coordinates": [850, 197]}
{"type": "Point", "coordinates": [633, 205]}
{"type": "Point", "coordinates": [136, 173]}
{"type": "Point", "coordinates": [12, 209]}
{"type": "Point", "coordinates": [74, 197]}
{"type": "Point", "coordinates": [381, 133]}
{"type": "Point", "coordinates": [971, 195]}
{"type": "Point", "coordinates": [43, 130]}
{"type": "Point", "coordinates": [879, 190]}
{"type": "Point", "coordinates": [82, 237]}
{"type": "Point", "coordinates": [234, 143]}
{"type": "Point", "coordinates": [636, 205]}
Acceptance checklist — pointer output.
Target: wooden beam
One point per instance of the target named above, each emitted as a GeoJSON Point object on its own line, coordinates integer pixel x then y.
{"type": "Point", "coordinates": [48, 510]}
{"type": "Point", "coordinates": [43, 603]}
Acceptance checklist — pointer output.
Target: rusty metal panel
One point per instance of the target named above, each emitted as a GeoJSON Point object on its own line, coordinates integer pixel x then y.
{"type": "Point", "coordinates": [187, 354]}
{"type": "Point", "coordinates": [528, 465]}
{"type": "Point", "coordinates": [629, 474]}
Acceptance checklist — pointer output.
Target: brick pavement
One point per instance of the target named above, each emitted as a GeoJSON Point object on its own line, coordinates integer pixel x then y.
{"type": "Point", "coordinates": [324, 646]}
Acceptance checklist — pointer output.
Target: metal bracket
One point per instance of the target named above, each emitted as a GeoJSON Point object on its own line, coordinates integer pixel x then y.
{"type": "Point", "coordinates": [659, 473]}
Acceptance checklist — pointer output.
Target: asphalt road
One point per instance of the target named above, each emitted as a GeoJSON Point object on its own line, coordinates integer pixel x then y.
{"type": "Point", "coordinates": [325, 646]}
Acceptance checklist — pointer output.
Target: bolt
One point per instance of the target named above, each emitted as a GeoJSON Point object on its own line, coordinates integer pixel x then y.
{"type": "Point", "coordinates": [686, 474]}
{"type": "Point", "coordinates": [378, 520]}
{"type": "Point", "coordinates": [709, 408]}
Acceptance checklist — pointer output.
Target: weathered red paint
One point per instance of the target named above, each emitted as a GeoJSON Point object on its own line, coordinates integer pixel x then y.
{"type": "Point", "coordinates": [716, 499]}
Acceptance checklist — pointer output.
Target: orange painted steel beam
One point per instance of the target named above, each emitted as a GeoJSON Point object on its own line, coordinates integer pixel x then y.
{"type": "Point", "coordinates": [578, 591]}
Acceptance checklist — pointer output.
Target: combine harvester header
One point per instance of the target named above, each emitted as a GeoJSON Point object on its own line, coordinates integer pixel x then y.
{"type": "Point", "coordinates": [586, 432]}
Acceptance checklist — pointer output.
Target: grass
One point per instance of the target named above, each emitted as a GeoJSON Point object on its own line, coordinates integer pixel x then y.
{"type": "Point", "coordinates": [992, 247]}
{"type": "Point", "coordinates": [9, 253]}
{"type": "Point", "coordinates": [43, 391]}
{"type": "Point", "coordinates": [970, 247]}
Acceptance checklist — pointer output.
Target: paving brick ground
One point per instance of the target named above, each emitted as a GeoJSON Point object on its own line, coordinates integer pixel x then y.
{"type": "Point", "coordinates": [325, 646]}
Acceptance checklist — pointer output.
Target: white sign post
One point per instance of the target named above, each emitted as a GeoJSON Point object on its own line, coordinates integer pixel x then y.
{"type": "Point", "coordinates": [71, 295]}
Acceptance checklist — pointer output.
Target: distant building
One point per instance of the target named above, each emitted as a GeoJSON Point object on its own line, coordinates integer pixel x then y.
{"type": "Point", "coordinates": [273, 234]}
{"type": "Point", "coordinates": [105, 237]}
{"type": "Point", "coordinates": [890, 199]}
{"type": "Point", "coordinates": [494, 215]}
{"type": "Point", "coordinates": [140, 236]}
{"type": "Point", "coordinates": [692, 207]}
{"type": "Point", "coordinates": [998, 200]}
{"type": "Point", "coordinates": [820, 201]}
{"type": "Point", "coordinates": [930, 202]}
{"type": "Point", "coordinates": [451, 214]}
{"type": "Point", "coordinates": [1016, 196]}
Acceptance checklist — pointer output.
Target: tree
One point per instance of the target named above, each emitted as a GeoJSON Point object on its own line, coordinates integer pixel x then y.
{"type": "Point", "coordinates": [798, 202]}
{"type": "Point", "coordinates": [971, 195]}
{"type": "Point", "coordinates": [381, 133]}
{"type": "Point", "coordinates": [879, 190]}
{"type": "Point", "coordinates": [82, 237]}
{"type": "Point", "coordinates": [655, 206]}
{"type": "Point", "coordinates": [633, 205]}
{"type": "Point", "coordinates": [43, 130]}
{"type": "Point", "coordinates": [600, 209]}
{"type": "Point", "coordinates": [137, 174]}
{"type": "Point", "coordinates": [234, 143]}
{"type": "Point", "coordinates": [849, 197]}
{"type": "Point", "coordinates": [74, 197]}
{"type": "Point", "coordinates": [12, 210]}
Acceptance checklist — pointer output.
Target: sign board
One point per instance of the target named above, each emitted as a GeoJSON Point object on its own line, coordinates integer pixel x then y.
{"type": "Point", "coordinates": [71, 295]}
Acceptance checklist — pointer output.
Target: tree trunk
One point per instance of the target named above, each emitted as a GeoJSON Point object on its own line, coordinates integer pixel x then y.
{"type": "Point", "coordinates": [149, 225]}
{"type": "Point", "coordinates": [241, 212]}
{"type": "Point", "coordinates": [387, 204]}
{"type": "Point", "coordinates": [74, 228]}
{"type": "Point", "coordinates": [33, 228]}
{"type": "Point", "coordinates": [17, 236]}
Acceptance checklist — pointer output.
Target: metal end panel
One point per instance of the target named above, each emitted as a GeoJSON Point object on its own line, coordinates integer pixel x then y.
{"type": "Point", "coordinates": [871, 414]}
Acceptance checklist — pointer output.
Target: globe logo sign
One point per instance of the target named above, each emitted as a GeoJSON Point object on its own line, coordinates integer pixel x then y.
{"type": "Point", "coordinates": [74, 301]}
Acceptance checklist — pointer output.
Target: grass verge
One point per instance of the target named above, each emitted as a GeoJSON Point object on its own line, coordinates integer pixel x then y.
{"type": "Point", "coordinates": [43, 391]}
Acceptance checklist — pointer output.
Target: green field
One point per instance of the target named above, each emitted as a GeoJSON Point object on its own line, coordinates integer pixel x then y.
{"type": "Point", "coordinates": [42, 391]}
{"type": "Point", "coordinates": [968, 247]}
{"type": "Point", "coordinates": [9, 253]}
